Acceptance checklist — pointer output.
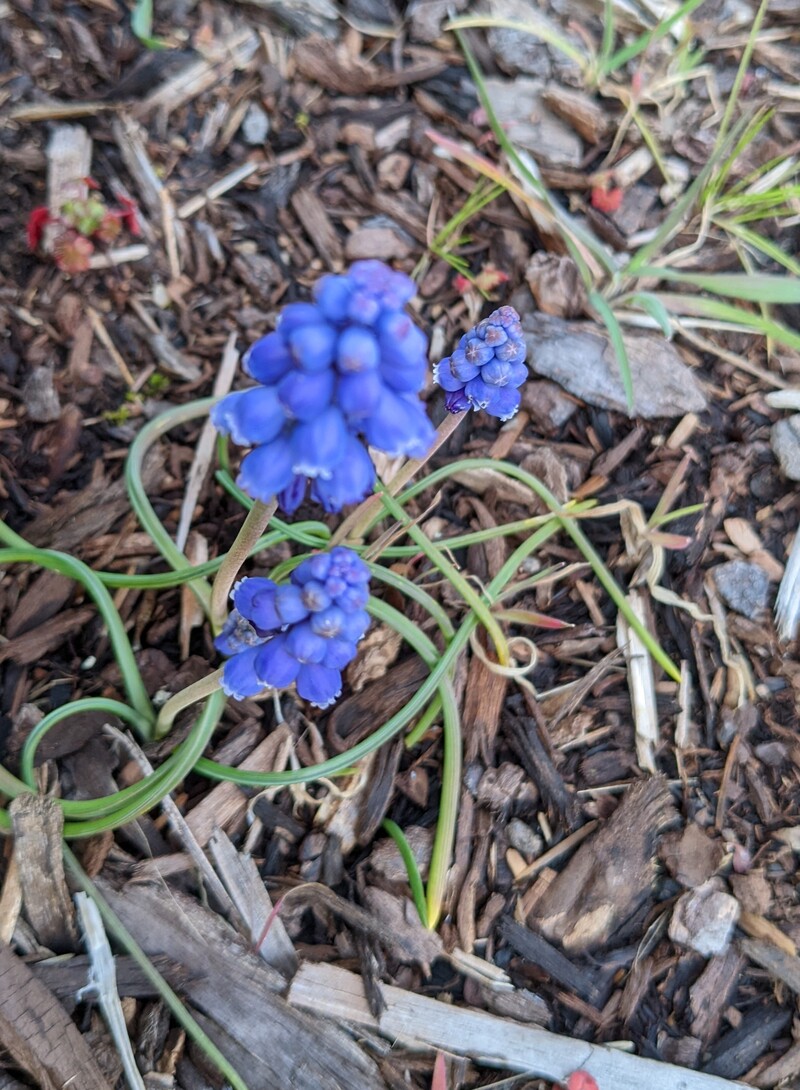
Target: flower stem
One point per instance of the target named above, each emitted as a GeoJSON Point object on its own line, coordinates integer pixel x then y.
{"type": "Point", "coordinates": [251, 530]}
{"type": "Point", "coordinates": [444, 838]}
{"type": "Point", "coordinates": [190, 695]}
{"type": "Point", "coordinates": [357, 522]}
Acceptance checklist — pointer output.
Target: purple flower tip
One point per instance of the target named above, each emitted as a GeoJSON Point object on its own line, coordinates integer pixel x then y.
{"type": "Point", "coordinates": [337, 374]}
{"type": "Point", "coordinates": [304, 631]}
{"type": "Point", "coordinates": [488, 367]}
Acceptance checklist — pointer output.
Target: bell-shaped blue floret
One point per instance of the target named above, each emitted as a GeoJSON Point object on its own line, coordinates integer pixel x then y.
{"type": "Point", "coordinates": [399, 426]}
{"type": "Point", "coordinates": [457, 402]}
{"type": "Point", "coordinates": [313, 347]}
{"type": "Point", "coordinates": [332, 294]}
{"type": "Point", "coordinates": [239, 678]}
{"type": "Point", "coordinates": [304, 643]}
{"type": "Point", "coordinates": [504, 402]}
{"type": "Point", "coordinates": [274, 665]}
{"type": "Point", "coordinates": [357, 351]}
{"type": "Point", "coordinates": [319, 445]}
{"type": "Point", "coordinates": [358, 395]}
{"type": "Point", "coordinates": [250, 416]}
{"type": "Point", "coordinates": [350, 481]}
{"type": "Point", "coordinates": [462, 369]}
{"type": "Point", "coordinates": [304, 396]}
{"type": "Point", "coordinates": [289, 604]}
{"type": "Point", "coordinates": [479, 393]}
{"type": "Point", "coordinates": [254, 599]}
{"type": "Point", "coordinates": [318, 684]}
{"type": "Point", "coordinates": [355, 625]}
{"type": "Point", "coordinates": [363, 307]}
{"type": "Point", "coordinates": [293, 495]}
{"type": "Point", "coordinates": [267, 470]}
{"type": "Point", "coordinates": [339, 653]}
{"type": "Point", "coordinates": [268, 360]}
{"type": "Point", "coordinates": [353, 597]}
{"type": "Point", "coordinates": [443, 375]}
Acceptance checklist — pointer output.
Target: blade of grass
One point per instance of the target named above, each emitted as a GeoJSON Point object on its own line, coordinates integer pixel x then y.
{"type": "Point", "coordinates": [744, 320]}
{"type": "Point", "coordinates": [410, 863]}
{"type": "Point", "coordinates": [741, 71]}
{"type": "Point", "coordinates": [655, 308]}
{"type": "Point", "coordinates": [751, 287]}
{"type": "Point", "coordinates": [766, 246]}
{"type": "Point", "coordinates": [142, 25]}
{"type": "Point", "coordinates": [541, 31]}
{"type": "Point", "coordinates": [609, 320]}
{"type": "Point", "coordinates": [628, 52]}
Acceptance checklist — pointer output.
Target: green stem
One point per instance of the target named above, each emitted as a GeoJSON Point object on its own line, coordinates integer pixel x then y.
{"type": "Point", "coordinates": [359, 521]}
{"type": "Point", "coordinates": [444, 838]}
{"type": "Point", "coordinates": [251, 530]}
{"type": "Point", "coordinates": [424, 723]}
{"type": "Point", "coordinates": [81, 573]}
{"type": "Point", "coordinates": [184, 699]}
{"type": "Point", "coordinates": [149, 435]}
{"type": "Point", "coordinates": [120, 933]}
{"type": "Point", "coordinates": [454, 576]}
{"type": "Point", "coordinates": [410, 863]}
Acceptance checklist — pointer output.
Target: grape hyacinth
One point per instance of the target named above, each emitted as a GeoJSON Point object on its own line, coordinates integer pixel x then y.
{"type": "Point", "coordinates": [337, 374]}
{"type": "Point", "coordinates": [487, 368]}
{"type": "Point", "coordinates": [304, 631]}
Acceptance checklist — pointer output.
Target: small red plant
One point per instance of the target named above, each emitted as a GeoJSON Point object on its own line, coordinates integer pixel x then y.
{"type": "Point", "coordinates": [82, 222]}
{"type": "Point", "coordinates": [607, 199]}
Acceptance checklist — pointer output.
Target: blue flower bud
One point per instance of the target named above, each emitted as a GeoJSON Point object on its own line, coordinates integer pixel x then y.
{"type": "Point", "coordinates": [239, 678]}
{"type": "Point", "coordinates": [355, 625]}
{"type": "Point", "coordinates": [275, 667]}
{"type": "Point", "coordinates": [314, 596]}
{"type": "Point", "coordinates": [319, 445]}
{"type": "Point", "coordinates": [268, 359]}
{"type": "Point", "coordinates": [332, 294]}
{"type": "Point", "coordinates": [314, 567]}
{"type": "Point", "coordinates": [289, 604]}
{"type": "Point", "coordinates": [250, 416]}
{"type": "Point", "coordinates": [293, 495]}
{"type": "Point", "coordinates": [399, 426]}
{"type": "Point", "coordinates": [267, 470]}
{"type": "Point", "coordinates": [319, 685]}
{"type": "Point", "coordinates": [304, 396]}
{"type": "Point", "coordinates": [328, 623]}
{"type": "Point", "coordinates": [313, 346]}
{"type": "Point", "coordinates": [462, 369]}
{"type": "Point", "coordinates": [304, 644]}
{"type": "Point", "coordinates": [353, 598]}
{"type": "Point", "coordinates": [363, 308]}
{"type": "Point", "coordinates": [504, 402]}
{"type": "Point", "coordinates": [339, 652]}
{"type": "Point", "coordinates": [254, 599]}
{"type": "Point", "coordinates": [296, 315]}
{"type": "Point", "coordinates": [357, 351]}
{"type": "Point", "coordinates": [358, 395]}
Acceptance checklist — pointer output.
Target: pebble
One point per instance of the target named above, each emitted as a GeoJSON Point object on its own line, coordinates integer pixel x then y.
{"type": "Point", "coordinates": [743, 586]}
{"type": "Point", "coordinates": [785, 439]}
{"type": "Point", "coordinates": [704, 919]}
{"type": "Point", "coordinates": [255, 126]}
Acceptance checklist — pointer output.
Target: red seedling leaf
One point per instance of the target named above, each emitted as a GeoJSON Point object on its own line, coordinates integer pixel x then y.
{"type": "Point", "coordinates": [129, 215]}
{"type": "Point", "coordinates": [72, 252]}
{"type": "Point", "coordinates": [109, 229]}
{"type": "Point", "coordinates": [37, 221]}
{"type": "Point", "coordinates": [607, 200]}
{"type": "Point", "coordinates": [461, 284]}
{"type": "Point", "coordinates": [439, 1073]}
{"type": "Point", "coordinates": [90, 182]}
{"type": "Point", "coordinates": [581, 1080]}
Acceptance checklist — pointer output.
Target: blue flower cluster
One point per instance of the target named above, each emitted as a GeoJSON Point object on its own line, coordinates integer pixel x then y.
{"type": "Point", "coordinates": [487, 367]}
{"type": "Point", "coordinates": [304, 631]}
{"type": "Point", "coordinates": [338, 372]}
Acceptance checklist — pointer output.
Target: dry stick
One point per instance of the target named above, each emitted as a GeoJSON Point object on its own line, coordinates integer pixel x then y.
{"type": "Point", "coordinates": [252, 528]}
{"type": "Point", "coordinates": [357, 521]}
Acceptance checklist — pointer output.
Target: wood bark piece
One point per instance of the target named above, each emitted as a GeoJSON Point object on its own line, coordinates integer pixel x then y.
{"type": "Point", "coordinates": [539, 952]}
{"type": "Point", "coordinates": [419, 1022]}
{"type": "Point", "coordinates": [778, 963]}
{"type": "Point", "coordinates": [69, 163]}
{"type": "Point", "coordinates": [39, 1034]}
{"type": "Point", "coordinates": [310, 210]}
{"type": "Point", "coordinates": [712, 991]}
{"type": "Point", "coordinates": [738, 1050]}
{"type": "Point", "coordinates": [38, 823]}
{"type": "Point", "coordinates": [610, 875]}
{"type": "Point", "coordinates": [236, 990]}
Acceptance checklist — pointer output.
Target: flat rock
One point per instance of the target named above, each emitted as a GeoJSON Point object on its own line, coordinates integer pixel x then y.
{"type": "Point", "coordinates": [785, 439]}
{"type": "Point", "coordinates": [704, 919]}
{"type": "Point", "coordinates": [520, 108]}
{"type": "Point", "coordinates": [522, 51]}
{"type": "Point", "coordinates": [743, 586]}
{"type": "Point", "coordinates": [579, 356]}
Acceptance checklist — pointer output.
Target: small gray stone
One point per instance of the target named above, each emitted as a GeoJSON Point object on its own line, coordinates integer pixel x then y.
{"type": "Point", "coordinates": [580, 357]}
{"type": "Point", "coordinates": [785, 441]}
{"type": "Point", "coordinates": [520, 109]}
{"type": "Point", "coordinates": [522, 837]}
{"type": "Point", "coordinates": [255, 126]}
{"type": "Point", "coordinates": [704, 919]}
{"type": "Point", "coordinates": [524, 51]}
{"type": "Point", "coordinates": [743, 586]}
{"type": "Point", "coordinates": [40, 396]}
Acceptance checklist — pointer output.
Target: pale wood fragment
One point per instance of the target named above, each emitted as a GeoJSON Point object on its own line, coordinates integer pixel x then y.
{"type": "Point", "coordinates": [69, 163]}
{"type": "Point", "coordinates": [418, 1022]}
